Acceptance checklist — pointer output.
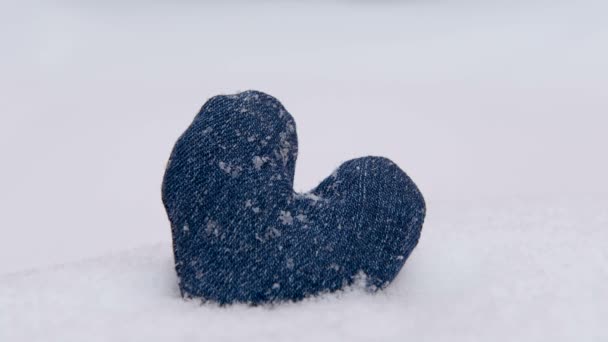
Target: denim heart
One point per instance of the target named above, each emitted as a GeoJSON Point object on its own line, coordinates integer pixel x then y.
{"type": "Point", "coordinates": [241, 233]}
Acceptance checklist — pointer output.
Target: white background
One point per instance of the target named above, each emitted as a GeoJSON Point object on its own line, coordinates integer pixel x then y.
{"type": "Point", "coordinates": [472, 99]}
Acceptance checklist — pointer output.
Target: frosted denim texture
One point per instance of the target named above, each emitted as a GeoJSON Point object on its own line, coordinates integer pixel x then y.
{"type": "Point", "coordinates": [241, 233]}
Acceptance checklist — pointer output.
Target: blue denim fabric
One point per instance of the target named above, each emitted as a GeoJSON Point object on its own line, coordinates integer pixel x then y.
{"type": "Point", "coordinates": [241, 233]}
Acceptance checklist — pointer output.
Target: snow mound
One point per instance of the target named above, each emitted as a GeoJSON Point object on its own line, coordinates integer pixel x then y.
{"type": "Point", "coordinates": [506, 271]}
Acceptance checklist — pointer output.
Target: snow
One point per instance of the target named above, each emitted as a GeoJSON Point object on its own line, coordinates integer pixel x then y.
{"type": "Point", "coordinates": [309, 195]}
{"type": "Point", "coordinates": [496, 109]}
{"type": "Point", "coordinates": [508, 271]}
{"type": "Point", "coordinates": [258, 162]}
{"type": "Point", "coordinates": [224, 167]}
{"type": "Point", "coordinates": [213, 228]}
{"type": "Point", "coordinates": [285, 217]}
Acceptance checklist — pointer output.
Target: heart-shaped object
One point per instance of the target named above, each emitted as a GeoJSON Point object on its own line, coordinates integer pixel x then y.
{"type": "Point", "coordinates": [241, 233]}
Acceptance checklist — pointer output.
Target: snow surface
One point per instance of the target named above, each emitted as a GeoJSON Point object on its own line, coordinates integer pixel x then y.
{"type": "Point", "coordinates": [496, 109]}
{"type": "Point", "coordinates": [530, 270]}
